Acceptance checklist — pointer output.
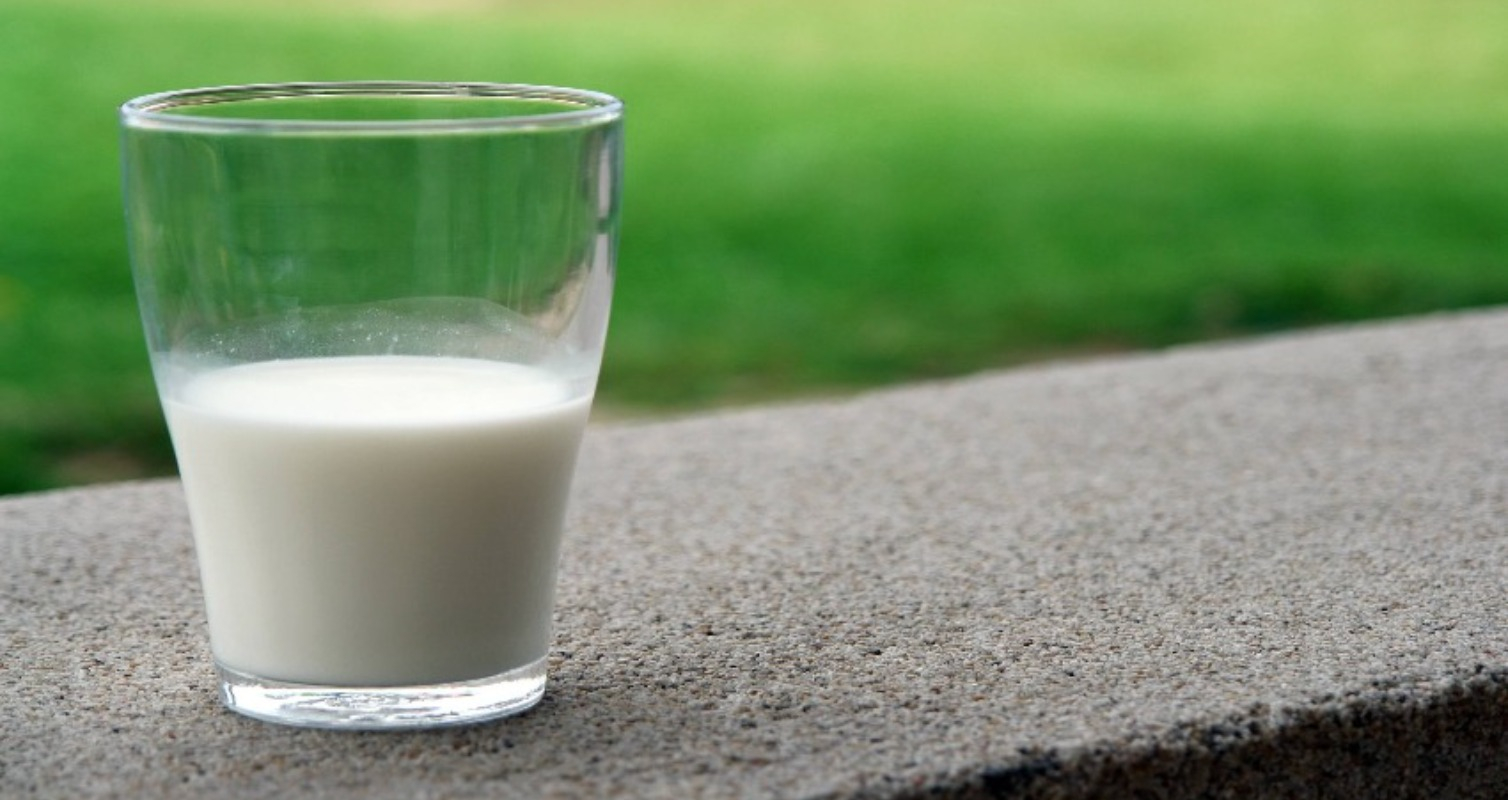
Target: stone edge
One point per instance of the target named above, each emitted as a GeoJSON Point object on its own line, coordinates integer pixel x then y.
{"type": "Point", "coordinates": [1417, 737]}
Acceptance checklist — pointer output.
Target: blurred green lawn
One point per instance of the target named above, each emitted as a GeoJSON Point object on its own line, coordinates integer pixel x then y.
{"type": "Point", "coordinates": [823, 196]}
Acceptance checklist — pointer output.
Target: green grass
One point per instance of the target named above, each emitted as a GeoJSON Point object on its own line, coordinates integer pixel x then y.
{"type": "Point", "coordinates": [823, 196]}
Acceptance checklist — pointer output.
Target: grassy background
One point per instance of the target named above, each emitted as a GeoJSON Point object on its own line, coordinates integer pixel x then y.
{"type": "Point", "coordinates": [822, 196]}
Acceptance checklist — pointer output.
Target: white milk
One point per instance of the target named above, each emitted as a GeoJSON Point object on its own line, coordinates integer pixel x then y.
{"type": "Point", "coordinates": [369, 521]}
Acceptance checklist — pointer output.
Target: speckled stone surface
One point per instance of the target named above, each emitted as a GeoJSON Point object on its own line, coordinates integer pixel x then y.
{"type": "Point", "coordinates": [1267, 568]}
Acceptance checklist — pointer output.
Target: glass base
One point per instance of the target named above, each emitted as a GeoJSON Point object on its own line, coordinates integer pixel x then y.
{"type": "Point", "coordinates": [383, 708]}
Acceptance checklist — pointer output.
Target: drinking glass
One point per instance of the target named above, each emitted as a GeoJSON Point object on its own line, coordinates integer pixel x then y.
{"type": "Point", "coordinates": [375, 313]}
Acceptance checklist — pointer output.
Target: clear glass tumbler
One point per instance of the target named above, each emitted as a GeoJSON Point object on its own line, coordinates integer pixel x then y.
{"type": "Point", "coordinates": [376, 314]}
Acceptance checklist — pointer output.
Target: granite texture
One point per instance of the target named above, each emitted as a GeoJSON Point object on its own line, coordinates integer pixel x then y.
{"type": "Point", "coordinates": [1266, 568]}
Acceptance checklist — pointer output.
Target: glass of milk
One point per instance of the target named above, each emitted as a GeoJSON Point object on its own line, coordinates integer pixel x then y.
{"type": "Point", "coordinates": [376, 314]}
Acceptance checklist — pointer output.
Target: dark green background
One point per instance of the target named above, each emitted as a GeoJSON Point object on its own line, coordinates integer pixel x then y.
{"type": "Point", "coordinates": [822, 197]}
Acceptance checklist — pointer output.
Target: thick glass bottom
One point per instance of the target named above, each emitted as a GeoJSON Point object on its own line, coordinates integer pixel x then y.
{"type": "Point", "coordinates": [383, 708]}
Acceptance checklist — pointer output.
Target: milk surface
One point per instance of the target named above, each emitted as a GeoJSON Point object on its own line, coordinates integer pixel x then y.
{"type": "Point", "coordinates": [371, 521]}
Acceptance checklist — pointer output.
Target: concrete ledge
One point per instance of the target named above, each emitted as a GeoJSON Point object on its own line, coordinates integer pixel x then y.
{"type": "Point", "coordinates": [1270, 568]}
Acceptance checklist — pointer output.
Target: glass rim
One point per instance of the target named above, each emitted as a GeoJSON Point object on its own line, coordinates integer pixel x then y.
{"type": "Point", "coordinates": [156, 110]}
